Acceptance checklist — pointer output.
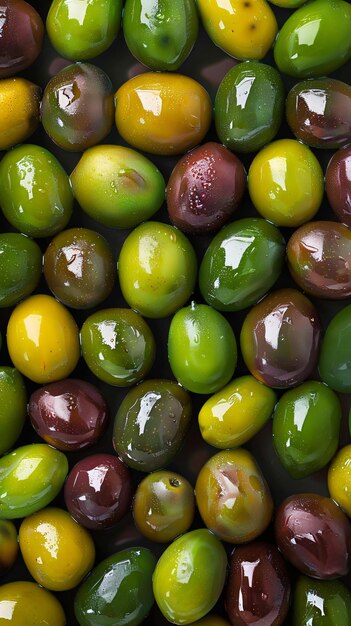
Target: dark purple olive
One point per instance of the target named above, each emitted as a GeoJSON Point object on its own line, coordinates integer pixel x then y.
{"type": "Point", "coordinates": [205, 188]}
{"type": "Point", "coordinates": [98, 491]}
{"type": "Point", "coordinates": [258, 588]}
{"type": "Point", "coordinates": [69, 414]}
{"type": "Point", "coordinates": [314, 534]}
{"type": "Point", "coordinates": [21, 36]}
{"type": "Point", "coordinates": [338, 184]}
{"type": "Point", "coordinates": [319, 112]}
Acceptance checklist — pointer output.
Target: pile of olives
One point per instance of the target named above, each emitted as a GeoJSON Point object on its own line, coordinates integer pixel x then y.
{"type": "Point", "coordinates": [175, 317]}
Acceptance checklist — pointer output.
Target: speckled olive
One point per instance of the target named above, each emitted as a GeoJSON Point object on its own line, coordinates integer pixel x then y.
{"type": "Point", "coordinates": [338, 184]}
{"type": "Point", "coordinates": [189, 576]}
{"type": "Point", "coordinates": [8, 546]}
{"type": "Point", "coordinates": [151, 423]}
{"type": "Point", "coordinates": [298, 416]}
{"type": "Point", "coordinates": [118, 346]}
{"type": "Point", "coordinates": [314, 534]}
{"type": "Point", "coordinates": [42, 339]}
{"type": "Point", "coordinates": [21, 37]}
{"type": "Point", "coordinates": [232, 416]}
{"type": "Point", "coordinates": [20, 267]}
{"type": "Point", "coordinates": [272, 183]}
{"type": "Point", "coordinates": [77, 109]}
{"type": "Point", "coordinates": [280, 339]}
{"type": "Point", "coordinates": [245, 30]}
{"type": "Point", "coordinates": [242, 262]}
{"type": "Point", "coordinates": [242, 124]}
{"type": "Point", "coordinates": [318, 257]}
{"type": "Point", "coordinates": [44, 607]}
{"type": "Point", "coordinates": [233, 497]}
{"type": "Point", "coordinates": [82, 29]}
{"type": "Point", "coordinates": [13, 407]}
{"type": "Point", "coordinates": [321, 603]}
{"type": "Point", "coordinates": [117, 186]}
{"type": "Point", "coordinates": [69, 414]}
{"type": "Point", "coordinates": [98, 491]}
{"type": "Point", "coordinates": [118, 590]}
{"type": "Point", "coordinates": [319, 112]}
{"type": "Point", "coordinates": [339, 479]}
{"type": "Point", "coordinates": [57, 551]}
{"type": "Point", "coordinates": [160, 34]}
{"type": "Point", "coordinates": [205, 188]}
{"type": "Point", "coordinates": [20, 110]}
{"type": "Point", "coordinates": [157, 269]}
{"type": "Point", "coordinates": [30, 478]}
{"type": "Point", "coordinates": [315, 39]}
{"type": "Point", "coordinates": [163, 113]}
{"type": "Point", "coordinates": [202, 348]}
{"type": "Point", "coordinates": [79, 268]}
{"type": "Point", "coordinates": [334, 363]}
{"type": "Point", "coordinates": [35, 194]}
{"type": "Point", "coordinates": [258, 588]}
{"type": "Point", "coordinates": [163, 506]}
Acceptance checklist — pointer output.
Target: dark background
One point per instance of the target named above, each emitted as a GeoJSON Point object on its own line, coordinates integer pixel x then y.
{"type": "Point", "coordinates": [208, 65]}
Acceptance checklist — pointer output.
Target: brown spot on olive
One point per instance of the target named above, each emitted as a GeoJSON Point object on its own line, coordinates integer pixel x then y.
{"type": "Point", "coordinates": [174, 482]}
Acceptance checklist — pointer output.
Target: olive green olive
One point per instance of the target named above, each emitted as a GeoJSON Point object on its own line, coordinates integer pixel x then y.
{"type": "Point", "coordinates": [321, 603]}
{"type": "Point", "coordinates": [13, 406]}
{"type": "Point", "coordinates": [20, 267]}
{"type": "Point", "coordinates": [201, 348]}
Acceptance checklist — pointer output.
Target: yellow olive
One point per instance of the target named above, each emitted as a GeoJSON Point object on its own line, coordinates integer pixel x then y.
{"type": "Point", "coordinates": [27, 604]}
{"type": "Point", "coordinates": [57, 551]}
{"type": "Point", "coordinates": [163, 113]}
{"type": "Point", "coordinates": [339, 479]}
{"type": "Point", "coordinates": [19, 110]}
{"type": "Point", "coordinates": [42, 339]}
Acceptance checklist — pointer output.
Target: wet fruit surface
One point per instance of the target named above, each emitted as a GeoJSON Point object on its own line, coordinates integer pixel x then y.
{"type": "Point", "coordinates": [13, 407]}
{"type": "Point", "coordinates": [20, 110]}
{"type": "Point", "coordinates": [339, 479]}
{"type": "Point", "coordinates": [334, 363]}
{"type": "Point", "coordinates": [321, 603]}
{"type": "Point", "coordinates": [44, 607]}
{"type": "Point", "coordinates": [20, 267]}
{"type": "Point", "coordinates": [338, 184]}
{"type": "Point", "coordinates": [21, 38]}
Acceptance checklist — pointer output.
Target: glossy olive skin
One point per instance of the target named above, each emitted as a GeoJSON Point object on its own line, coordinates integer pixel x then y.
{"type": "Point", "coordinates": [57, 551]}
{"type": "Point", "coordinates": [35, 194]}
{"type": "Point", "coordinates": [117, 186]}
{"type": "Point", "coordinates": [44, 607]}
{"type": "Point", "coordinates": [338, 184]}
{"type": "Point", "coordinates": [242, 262]}
{"type": "Point", "coordinates": [98, 491]}
{"type": "Point", "coordinates": [8, 546]}
{"type": "Point", "coordinates": [89, 35]}
{"type": "Point", "coordinates": [20, 110]}
{"type": "Point", "coordinates": [42, 339]}
{"type": "Point", "coordinates": [13, 407]}
{"type": "Point", "coordinates": [202, 348]}
{"type": "Point", "coordinates": [321, 603]}
{"type": "Point", "coordinates": [157, 269]}
{"type": "Point", "coordinates": [280, 339]}
{"type": "Point", "coordinates": [258, 588]}
{"type": "Point", "coordinates": [160, 35]}
{"type": "Point", "coordinates": [205, 188]}
{"type": "Point", "coordinates": [30, 478]}
{"type": "Point", "coordinates": [240, 124]}
{"type": "Point", "coordinates": [300, 413]}
{"type": "Point", "coordinates": [21, 36]}
{"type": "Point", "coordinates": [339, 479]}
{"type": "Point", "coordinates": [118, 346]}
{"type": "Point", "coordinates": [20, 267]}
{"type": "Point", "coordinates": [143, 437]}
{"type": "Point", "coordinates": [236, 413]}
{"type": "Point", "coordinates": [245, 31]}
{"type": "Point", "coordinates": [314, 40]}
{"type": "Point", "coordinates": [79, 268]}
{"type": "Point", "coordinates": [163, 506]}
{"type": "Point", "coordinates": [118, 590]}
{"type": "Point", "coordinates": [314, 534]}
{"type": "Point", "coordinates": [189, 576]}
{"type": "Point", "coordinates": [334, 362]}
{"type": "Point", "coordinates": [319, 112]}
{"type": "Point", "coordinates": [77, 109]}
{"type": "Point", "coordinates": [233, 497]}
{"type": "Point", "coordinates": [161, 113]}
{"type": "Point", "coordinates": [318, 257]}
{"type": "Point", "coordinates": [69, 415]}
